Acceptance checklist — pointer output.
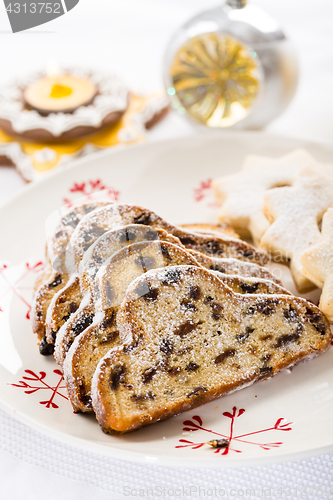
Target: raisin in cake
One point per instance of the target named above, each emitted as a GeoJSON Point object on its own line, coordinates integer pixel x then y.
{"type": "Point", "coordinates": [234, 266]}
{"type": "Point", "coordinates": [55, 281]}
{"type": "Point", "coordinates": [57, 242]}
{"type": "Point", "coordinates": [173, 359]}
{"type": "Point", "coordinates": [58, 276]}
{"type": "Point", "coordinates": [67, 300]}
{"type": "Point", "coordinates": [214, 229]}
{"type": "Point", "coordinates": [114, 216]}
{"type": "Point", "coordinates": [124, 266]}
{"type": "Point", "coordinates": [92, 344]}
{"type": "Point", "coordinates": [111, 242]}
{"type": "Point", "coordinates": [63, 304]}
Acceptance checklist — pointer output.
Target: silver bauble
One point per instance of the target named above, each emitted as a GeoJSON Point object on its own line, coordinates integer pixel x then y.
{"type": "Point", "coordinates": [231, 66]}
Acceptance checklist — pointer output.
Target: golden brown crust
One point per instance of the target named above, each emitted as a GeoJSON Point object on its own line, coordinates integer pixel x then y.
{"type": "Point", "coordinates": [112, 216]}
{"type": "Point", "coordinates": [64, 303]}
{"type": "Point", "coordinates": [55, 281]}
{"type": "Point", "coordinates": [221, 228]}
{"type": "Point", "coordinates": [173, 361]}
{"type": "Point", "coordinates": [95, 342]}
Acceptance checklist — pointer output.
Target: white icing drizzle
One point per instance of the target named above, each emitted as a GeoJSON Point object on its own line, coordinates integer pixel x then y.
{"type": "Point", "coordinates": [113, 96]}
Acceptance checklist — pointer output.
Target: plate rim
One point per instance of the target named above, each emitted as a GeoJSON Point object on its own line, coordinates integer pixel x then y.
{"type": "Point", "coordinates": [134, 456]}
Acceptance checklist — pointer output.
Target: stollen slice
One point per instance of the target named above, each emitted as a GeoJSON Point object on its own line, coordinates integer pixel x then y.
{"type": "Point", "coordinates": [91, 345]}
{"type": "Point", "coordinates": [174, 360]}
{"type": "Point", "coordinates": [103, 219]}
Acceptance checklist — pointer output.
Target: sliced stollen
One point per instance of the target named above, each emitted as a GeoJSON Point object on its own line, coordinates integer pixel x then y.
{"type": "Point", "coordinates": [175, 359]}
{"type": "Point", "coordinates": [60, 226]}
{"type": "Point", "coordinates": [94, 258]}
{"type": "Point", "coordinates": [63, 304]}
{"type": "Point", "coordinates": [55, 281]}
{"type": "Point", "coordinates": [111, 242]}
{"type": "Point", "coordinates": [87, 349]}
{"type": "Point", "coordinates": [248, 285]}
{"type": "Point", "coordinates": [113, 216]}
{"type": "Point", "coordinates": [209, 228]}
{"type": "Point", "coordinates": [43, 277]}
{"type": "Point", "coordinates": [107, 244]}
{"type": "Point", "coordinates": [92, 344]}
{"type": "Point", "coordinates": [59, 230]}
{"type": "Point", "coordinates": [234, 266]}
{"type": "Point", "coordinates": [76, 324]}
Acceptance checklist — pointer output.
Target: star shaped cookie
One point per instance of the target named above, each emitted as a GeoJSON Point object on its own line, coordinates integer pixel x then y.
{"type": "Point", "coordinates": [241, 195]}
{"type": "Point", "coordinates": [295, 213]}
{"type": "Point", "coordinates": [318, 264]}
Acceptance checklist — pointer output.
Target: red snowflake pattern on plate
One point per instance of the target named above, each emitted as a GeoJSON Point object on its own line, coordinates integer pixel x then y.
{"type": "Point", "coordinates": [91, 187]}
{"type": "Point", "coordinates": [204, 192]}
{"type": "Point", "coordinates": [223, 443]}
{"type": "Point", "coordinates": [40, 384]}
{"type": "Point", "coordinates": [17, 285]}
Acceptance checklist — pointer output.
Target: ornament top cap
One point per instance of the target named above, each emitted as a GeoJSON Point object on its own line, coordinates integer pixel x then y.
{"type": "Point", "coordinates": [237, 4]}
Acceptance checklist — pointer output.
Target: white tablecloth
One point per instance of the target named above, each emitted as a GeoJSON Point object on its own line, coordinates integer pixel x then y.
{"type": "Point", "coordinates": [129, 37]}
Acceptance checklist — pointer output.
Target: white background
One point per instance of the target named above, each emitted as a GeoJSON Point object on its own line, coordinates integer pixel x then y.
{"type": "Point", "coordinates": [129, 37]}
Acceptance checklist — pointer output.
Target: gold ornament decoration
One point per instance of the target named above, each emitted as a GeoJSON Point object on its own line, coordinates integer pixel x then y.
{"type": "Point", "coordinates": [231, 66]}
{"type": "Point", "coordinates": [216, 78]}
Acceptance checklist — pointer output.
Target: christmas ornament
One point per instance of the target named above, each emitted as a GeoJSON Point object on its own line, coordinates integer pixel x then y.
{"type": "Point", "coordinates": [231, 66]}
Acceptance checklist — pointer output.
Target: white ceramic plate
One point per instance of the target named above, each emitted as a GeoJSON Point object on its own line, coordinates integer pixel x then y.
{"type": "Point", "coordinates": [287, 417]}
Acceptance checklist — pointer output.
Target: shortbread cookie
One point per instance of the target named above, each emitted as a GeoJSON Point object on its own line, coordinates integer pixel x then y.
{"type": "Point", "coordinates": [208, 228]}
{"type": "Point", "coordinates": [295, 213]}
{"type": "Point", "coordinates": [317, 263]}
{"type": "Point", "coordinates": [234, 266]}
{"type": "Point", "coordinates": [43, 296]}
{"type": "Point", "coordinates": [111, 242]}
{"type": "Point", "coordinates": [64, 303]}
{"type": "Point", "coordinates": [242, 195]}
{"type": "Point", "coordinates": [103, 219]}
{"type": "Point", "coordinates": [92, 344]}
{"type": "Point", "coordinates": [175, 359]}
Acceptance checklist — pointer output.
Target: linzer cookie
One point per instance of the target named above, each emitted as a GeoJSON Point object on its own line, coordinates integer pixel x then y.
{"type": "Point", "coordinates": [317, 263]}
{"type": "Point", "coordinates": [294, 213]}
{"type": "Point", "coordinates": [241, 195]}
{"type": "Point", "coordinates": [114, 216]}
{"type": "Point", "coordinates": [175, 359]}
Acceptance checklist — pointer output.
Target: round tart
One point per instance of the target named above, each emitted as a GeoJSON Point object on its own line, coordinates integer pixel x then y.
{"type": "Point", "coordinates": [78, 103]}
